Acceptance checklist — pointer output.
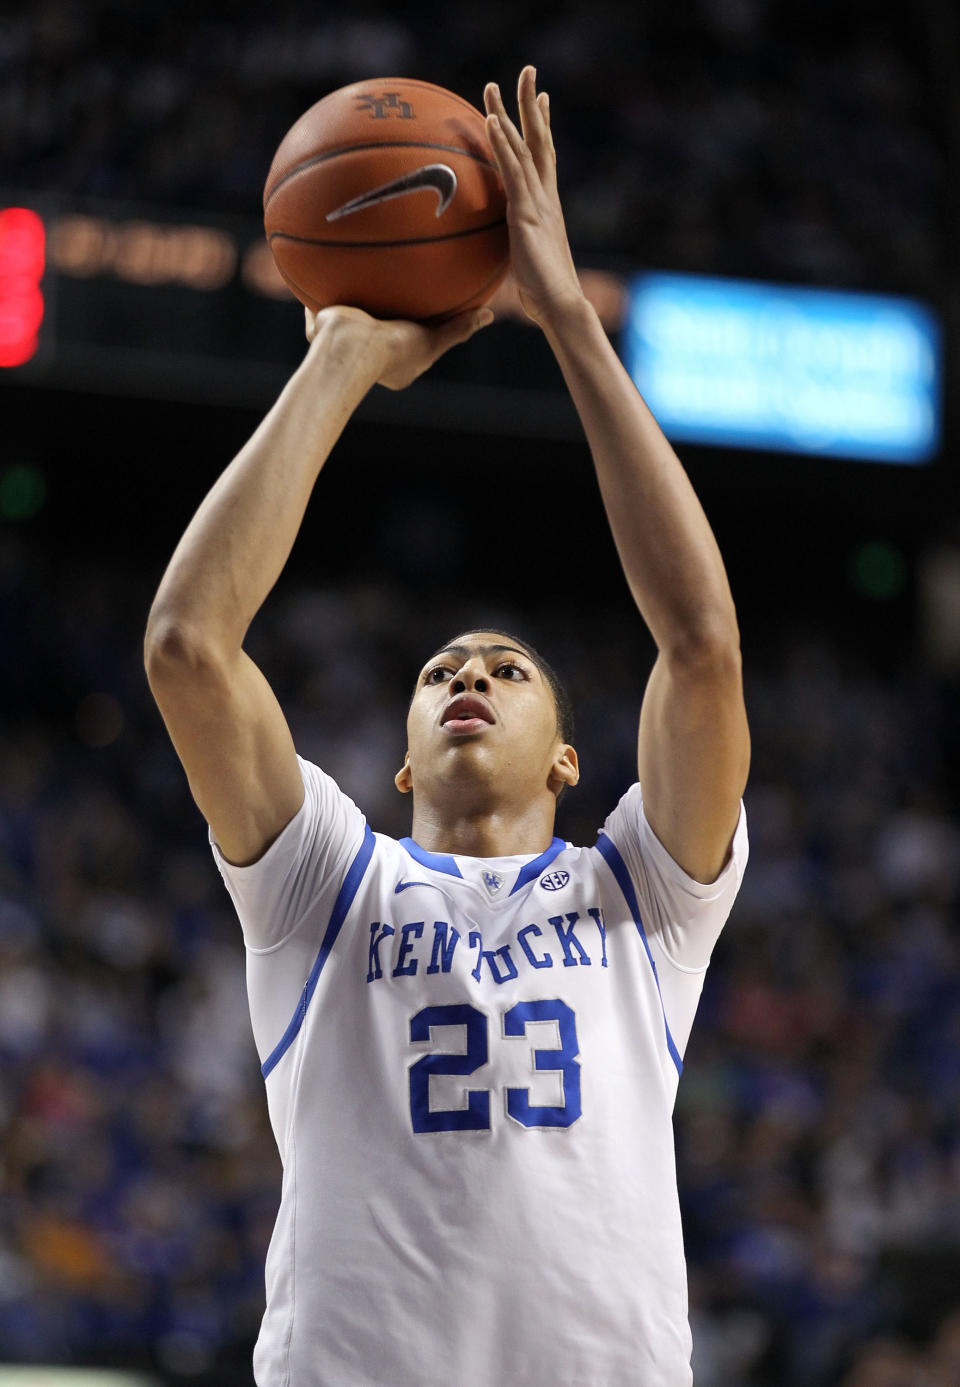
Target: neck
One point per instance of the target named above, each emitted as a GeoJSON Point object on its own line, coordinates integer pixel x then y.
{"type": "Point", "coordinates": [493, 833]}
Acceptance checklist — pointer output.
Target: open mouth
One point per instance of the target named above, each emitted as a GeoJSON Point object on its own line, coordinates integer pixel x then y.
{"type": "Point", "coordinates": [466, 713]}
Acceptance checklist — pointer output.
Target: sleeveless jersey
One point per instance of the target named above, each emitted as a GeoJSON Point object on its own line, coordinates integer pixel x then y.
{"type": "Point", "coordinates": [470, 1069]}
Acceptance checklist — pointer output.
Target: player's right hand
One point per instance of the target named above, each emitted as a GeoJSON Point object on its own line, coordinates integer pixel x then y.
{"type": "Point", "coordinates": [399, 351]}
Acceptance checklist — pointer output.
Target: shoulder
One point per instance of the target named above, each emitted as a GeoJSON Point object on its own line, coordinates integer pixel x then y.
{"type": "Point", "coordinates": [628, 831]}
{"type": "Point", "coordinates": [305, 865]}
{"type": "Point", "coordinates": [686, 915]}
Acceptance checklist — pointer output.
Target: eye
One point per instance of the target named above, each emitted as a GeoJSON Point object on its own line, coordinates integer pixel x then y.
{"type": "Point", "coordinates": [437, 675]}
{"type": "Point", "coordinates": [508, 670]}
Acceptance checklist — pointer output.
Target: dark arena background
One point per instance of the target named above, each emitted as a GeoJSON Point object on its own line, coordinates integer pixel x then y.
{"type": "Point", "coordinates": [143, 332]}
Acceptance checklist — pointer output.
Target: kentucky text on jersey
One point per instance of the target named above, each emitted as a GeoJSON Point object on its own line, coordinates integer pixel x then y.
{"type": "Point", "coordinates": [571, 940]}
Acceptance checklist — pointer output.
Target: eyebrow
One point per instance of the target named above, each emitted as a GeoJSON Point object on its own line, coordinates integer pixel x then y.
{"type": "Point", "coordinates": [463, 650]}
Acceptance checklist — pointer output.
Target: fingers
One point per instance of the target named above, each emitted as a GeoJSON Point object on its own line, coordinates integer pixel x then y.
{"type": "Point", "coordinates": [526, 156]}
{"type": "Point", "coordinates": [414, 347]}
{"type": "Point", "coordinates": [397, 349]}
{"type": "Point", "coordinates": [535, 125]}
{"type": "Point", "coordinates": [512, 154]}
{"type": "Point", "coordinates": [543, 101]}
{"type": "Point", "coordinates": [464, 325]}
{"type": "Point", "coordinates": [442, 336]}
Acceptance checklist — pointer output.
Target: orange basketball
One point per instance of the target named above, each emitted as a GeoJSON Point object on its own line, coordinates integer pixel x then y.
{"type": "Point", "coordinates": [385, 195]}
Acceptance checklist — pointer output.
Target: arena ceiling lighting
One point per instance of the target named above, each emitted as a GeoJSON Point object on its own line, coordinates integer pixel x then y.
{"type": "Point", "coordinates": [786, 369]}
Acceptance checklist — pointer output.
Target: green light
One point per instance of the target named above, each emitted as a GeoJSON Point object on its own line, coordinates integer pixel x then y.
{"type": "Point", "coordinates": [23, 491]}
{"type": "Point", "coordinates": [878, 570]}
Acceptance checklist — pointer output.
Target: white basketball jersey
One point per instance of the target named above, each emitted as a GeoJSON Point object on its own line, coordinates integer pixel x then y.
{"type": "Point", "coordinates": [470, 1068]}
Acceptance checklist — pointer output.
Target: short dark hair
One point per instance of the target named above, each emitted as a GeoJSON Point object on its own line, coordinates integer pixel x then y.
{"type": "Point", "coordinates": [561, 699]}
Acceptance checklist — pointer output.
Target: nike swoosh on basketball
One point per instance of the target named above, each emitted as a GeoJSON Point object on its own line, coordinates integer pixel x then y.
{"type": "Point", "coordinates": [440, 177]}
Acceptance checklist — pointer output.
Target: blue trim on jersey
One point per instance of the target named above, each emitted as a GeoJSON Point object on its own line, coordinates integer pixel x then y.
{"type": "Point", "coordinates": [439, 861]}
{"type": "Point", "coordinates": [611, 855]}
{"type": "Point", "coordinates": [443, 862]}
{"type": "Point", "coordinates": [338, 914]}
{"type": "Point", "coordinates": [534, 868]}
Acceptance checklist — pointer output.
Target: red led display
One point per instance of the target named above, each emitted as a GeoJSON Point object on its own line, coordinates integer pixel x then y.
{"type": "Point", "coordinates": [22, 255]}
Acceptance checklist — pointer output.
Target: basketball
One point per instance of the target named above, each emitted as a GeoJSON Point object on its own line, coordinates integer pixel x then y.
{"type": "Point", "coordinates": [385, 195]}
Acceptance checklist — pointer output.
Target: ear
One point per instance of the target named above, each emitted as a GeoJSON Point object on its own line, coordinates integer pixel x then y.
{"type": "Point", "coordinates": [565, 769]}
{"type": "Point", "coordinates": [404, 777]}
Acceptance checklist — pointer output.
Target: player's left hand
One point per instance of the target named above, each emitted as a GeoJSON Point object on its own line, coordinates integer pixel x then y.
{"type": "Point", "coordinates": [539, 250]}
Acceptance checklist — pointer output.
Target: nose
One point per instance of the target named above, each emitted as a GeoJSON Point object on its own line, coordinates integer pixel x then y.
{"type": "Point", "coordinates": [471, 676]}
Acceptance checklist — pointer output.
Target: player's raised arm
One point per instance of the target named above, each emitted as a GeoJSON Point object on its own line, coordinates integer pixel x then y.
{"type": "Point", "coordinates": [693, 750]}
{"type": "Point", "coordinates": [221, 714]}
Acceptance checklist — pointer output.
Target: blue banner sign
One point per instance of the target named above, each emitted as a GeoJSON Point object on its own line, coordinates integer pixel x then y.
{"type": "Point", "coordinates": [773, 366]}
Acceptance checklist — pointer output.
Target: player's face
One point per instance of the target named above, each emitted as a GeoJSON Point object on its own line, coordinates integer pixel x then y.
{"type": "Point", "coordinates": [483, 708]}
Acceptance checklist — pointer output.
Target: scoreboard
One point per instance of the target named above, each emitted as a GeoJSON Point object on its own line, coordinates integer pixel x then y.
{"type": "Point", "coordinates": [115, 298]}
{"type": "Point", "coordinates": [787, 369]}
{"type": "Point", "coordinates": [22, 263]}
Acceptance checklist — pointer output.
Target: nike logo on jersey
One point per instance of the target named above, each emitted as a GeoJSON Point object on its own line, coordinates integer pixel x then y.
{"type": "Point", "coordinates": [440, 177]}
{"type": "Point", "coordinates": [403, 885]}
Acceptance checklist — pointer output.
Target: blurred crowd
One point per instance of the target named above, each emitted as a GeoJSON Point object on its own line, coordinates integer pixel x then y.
{"type": "Point", "coordinates": [818, 1134]}
{"type": "Point", "coordinates": [817, 1120]}
{"type": "Point", "coordinates": [742, 136]}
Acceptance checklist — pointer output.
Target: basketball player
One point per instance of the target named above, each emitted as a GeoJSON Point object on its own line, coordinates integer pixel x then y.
{"type": "Point", "coordinates": [471, 1038]}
